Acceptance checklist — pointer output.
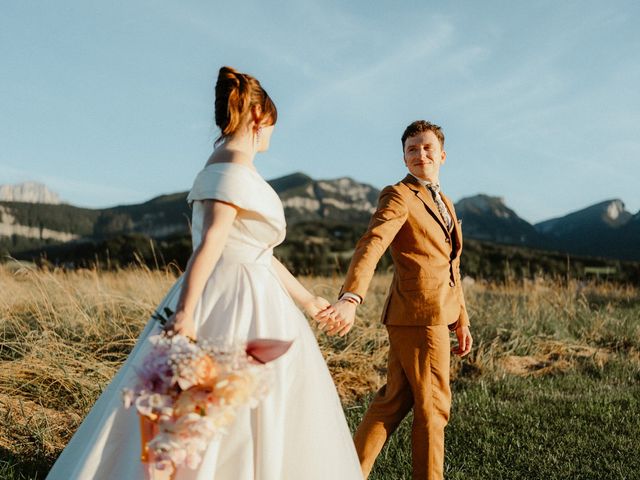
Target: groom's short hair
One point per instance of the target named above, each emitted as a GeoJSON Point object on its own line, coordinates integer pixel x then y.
{"type": "Point", "coordinates": [420, 126]}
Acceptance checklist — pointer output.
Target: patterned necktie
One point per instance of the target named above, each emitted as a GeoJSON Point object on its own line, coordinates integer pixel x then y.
{"type": "Point", "coordinates": [444, 213]}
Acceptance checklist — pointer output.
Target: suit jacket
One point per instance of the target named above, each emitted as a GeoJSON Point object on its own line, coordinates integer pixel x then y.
{"type": "Point", "coordinates": [426, 287]}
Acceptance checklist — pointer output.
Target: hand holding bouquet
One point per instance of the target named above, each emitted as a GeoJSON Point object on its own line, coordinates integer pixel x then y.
{"type": "Point", "coordinates": [188, 392]}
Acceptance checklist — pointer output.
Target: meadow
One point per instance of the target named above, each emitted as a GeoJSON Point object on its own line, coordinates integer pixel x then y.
{"type": "Point", "coordinates": [551, 389]}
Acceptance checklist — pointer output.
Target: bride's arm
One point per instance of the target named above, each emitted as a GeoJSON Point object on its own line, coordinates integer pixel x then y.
{"type": "Point", "coordinates": [218, 218]}
{"type": "Point", "coordinates": [303, 297]}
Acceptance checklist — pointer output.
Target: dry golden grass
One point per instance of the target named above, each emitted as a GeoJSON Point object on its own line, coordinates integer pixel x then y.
{"type": "Point", "coordinates": [528, 328]}
{"type": "Point", "coordinates": [63, 335]}
{"type": "Point", "coordinates": [62, 338]}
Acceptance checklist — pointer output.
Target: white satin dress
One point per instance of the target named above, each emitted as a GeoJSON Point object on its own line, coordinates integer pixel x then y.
{"type": "Point", "coordinates": [299, 430]}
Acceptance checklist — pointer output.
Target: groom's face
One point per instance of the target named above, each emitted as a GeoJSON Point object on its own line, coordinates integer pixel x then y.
{"type": "Point", "coordinates": [423, 155]}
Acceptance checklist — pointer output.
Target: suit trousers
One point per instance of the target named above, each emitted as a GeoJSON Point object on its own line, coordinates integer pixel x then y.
{"type": "Point", "coordinates": [418, 377]}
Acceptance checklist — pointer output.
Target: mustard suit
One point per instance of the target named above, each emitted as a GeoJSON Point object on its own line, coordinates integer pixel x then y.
{"type": "Point", "coordinates": [425, 301]}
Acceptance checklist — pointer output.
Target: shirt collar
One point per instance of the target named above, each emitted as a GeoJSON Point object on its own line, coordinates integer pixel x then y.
{"type": "Point", "coordinates": [424, 183]}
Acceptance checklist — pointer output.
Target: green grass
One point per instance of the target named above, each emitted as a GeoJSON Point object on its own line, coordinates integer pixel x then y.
{"type": "Point", "coordinates": [15, 469]}
{"type": "Point", "coordinates": [580, 425]}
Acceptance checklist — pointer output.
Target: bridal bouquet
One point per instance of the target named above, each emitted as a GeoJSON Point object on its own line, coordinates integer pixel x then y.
{"type": "Point", "coordinates": [188, 392]}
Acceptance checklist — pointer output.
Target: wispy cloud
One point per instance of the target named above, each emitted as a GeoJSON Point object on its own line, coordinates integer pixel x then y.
{"type": "Point", "coordinates": [405, 57]}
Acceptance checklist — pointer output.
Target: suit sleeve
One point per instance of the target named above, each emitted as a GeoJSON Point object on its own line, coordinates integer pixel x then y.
{"type": "Point", "coordinates": [385, 223]}
{"type": "Point", "coordinates": [463, 317]}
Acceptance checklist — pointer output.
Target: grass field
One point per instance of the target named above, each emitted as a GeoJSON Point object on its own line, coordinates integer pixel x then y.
{"type": "Point", "coordinates": [550, 391]}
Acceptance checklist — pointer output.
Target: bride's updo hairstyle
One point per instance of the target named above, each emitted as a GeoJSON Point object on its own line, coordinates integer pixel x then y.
{"type": "Point", "coordinates": [236, 93]}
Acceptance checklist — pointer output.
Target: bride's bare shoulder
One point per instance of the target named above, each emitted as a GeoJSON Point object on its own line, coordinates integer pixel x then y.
{"type": "Point", "coordinates": [228, 156]}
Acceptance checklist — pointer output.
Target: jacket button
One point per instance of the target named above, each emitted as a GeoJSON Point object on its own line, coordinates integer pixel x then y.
{"type": "Point", "coordinates": [452, 283]}
{"type": "Point", "coordinates": [447, 240]}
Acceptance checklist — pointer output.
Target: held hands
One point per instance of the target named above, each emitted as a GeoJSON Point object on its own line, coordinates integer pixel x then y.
{"type": "Point", "coordinates": [464, 341]}
{"type": "Point", "coordinates": [338, 318]}
{"type": "Point", "coordinates": [182, 324]}
{"type": "Point", "coordinates": [315, 305]}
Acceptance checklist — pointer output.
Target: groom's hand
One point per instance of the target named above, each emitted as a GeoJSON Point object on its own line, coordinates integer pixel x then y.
{"type": "Point", "coordinates": [464, 341]}
{"type": "Point", "coordinates": [339, 319]}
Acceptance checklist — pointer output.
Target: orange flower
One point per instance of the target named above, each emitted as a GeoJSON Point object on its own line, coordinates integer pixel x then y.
{"type": "Point", "coordinates": [206, 370]}
{"type": "Point", "coordinates": [234, 388]}
{"type": "Point", "coordinates": [194, 400]}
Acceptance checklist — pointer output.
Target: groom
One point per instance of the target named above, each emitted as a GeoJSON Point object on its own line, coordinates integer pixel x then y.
{"type": "Point", "coordinates": [425, 301]}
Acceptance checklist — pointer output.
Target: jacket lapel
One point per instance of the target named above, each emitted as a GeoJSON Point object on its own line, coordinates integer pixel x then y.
{"type": "Point", "coordinates": [457, 231]}
{"type": "Point", "coordinates": [426, 197]}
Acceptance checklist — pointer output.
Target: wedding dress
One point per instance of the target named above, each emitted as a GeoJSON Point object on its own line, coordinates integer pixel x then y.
{"type": "Point", "coordinates": [299, 430]}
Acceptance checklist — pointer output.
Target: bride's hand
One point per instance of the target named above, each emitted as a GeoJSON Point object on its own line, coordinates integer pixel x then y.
{"type": "Point", "coordinates": [315, 305]}
{"type": "Point", "coordinates": [182, 324]}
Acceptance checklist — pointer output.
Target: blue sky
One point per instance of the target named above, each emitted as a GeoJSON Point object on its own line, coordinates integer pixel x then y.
{"type": "Point", "coordinates": [112, 102]}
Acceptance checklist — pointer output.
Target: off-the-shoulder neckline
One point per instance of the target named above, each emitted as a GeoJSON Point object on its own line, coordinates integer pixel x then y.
{"type": "Point", "coordinates": [253, 170]}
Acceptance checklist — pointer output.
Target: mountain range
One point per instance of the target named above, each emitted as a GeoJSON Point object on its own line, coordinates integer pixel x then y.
{"type": "Point", "coordinates": [31, 218]}
{"type": "Point", "coordinates": [32, 192]}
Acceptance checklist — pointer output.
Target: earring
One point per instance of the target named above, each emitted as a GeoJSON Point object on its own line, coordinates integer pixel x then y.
{"type": "Point", "coordinates": [258, 135]}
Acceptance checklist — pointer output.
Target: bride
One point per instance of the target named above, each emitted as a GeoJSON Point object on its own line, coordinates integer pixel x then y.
{"type": "Point", "coordinates": [234, 289]}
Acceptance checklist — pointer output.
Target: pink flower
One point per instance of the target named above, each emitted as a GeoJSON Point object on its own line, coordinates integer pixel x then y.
{"type": "Point", "coordinates": [193, 459]}
{"type": "Point", "coordinates": [166, 448]}
{"type": "Point", "coordinates": [194, 426]}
